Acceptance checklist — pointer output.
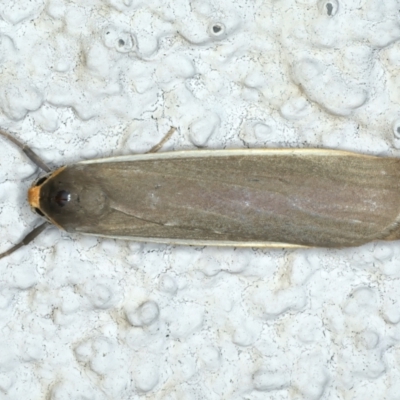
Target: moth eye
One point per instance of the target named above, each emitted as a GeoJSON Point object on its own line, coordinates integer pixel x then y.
{"type": "Point", "coordinates": [62, 198]}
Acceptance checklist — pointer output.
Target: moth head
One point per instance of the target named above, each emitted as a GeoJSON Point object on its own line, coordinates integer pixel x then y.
{"type": "Point", "coordinates": [35, 195]}
{"type": "Point", "coordinates": [69, 198]}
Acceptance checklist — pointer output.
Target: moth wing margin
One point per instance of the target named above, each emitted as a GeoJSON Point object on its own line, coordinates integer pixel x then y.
{"type": "Point", "coordinates": [214, 243]}
{"type": "Point", "coordinates": [226, 153]}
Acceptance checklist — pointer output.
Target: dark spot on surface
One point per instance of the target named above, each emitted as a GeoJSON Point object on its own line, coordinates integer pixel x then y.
{"type": "Point", "coordinates": [121, 43]}
{"type": "Point", "coordinates": [329, 8]}
{"type": "Point", "coordinates": [62, 198]}
{"type": "Point", "coordinates": [396, 128]}
{"type": "Point", "coordinates": [217, 28]}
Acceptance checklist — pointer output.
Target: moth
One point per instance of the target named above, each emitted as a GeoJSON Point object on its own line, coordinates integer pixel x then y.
{"type": "Point", "coordinates": [245, 197]}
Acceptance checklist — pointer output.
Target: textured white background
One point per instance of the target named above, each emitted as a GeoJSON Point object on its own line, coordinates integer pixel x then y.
{"type": "Point", "coordinates": [87, 318]}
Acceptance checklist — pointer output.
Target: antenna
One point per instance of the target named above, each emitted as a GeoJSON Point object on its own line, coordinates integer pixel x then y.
{"type": "Point", "coordinates": [27, 239]}
{"type": "Point", "coordinates": [28, 151]}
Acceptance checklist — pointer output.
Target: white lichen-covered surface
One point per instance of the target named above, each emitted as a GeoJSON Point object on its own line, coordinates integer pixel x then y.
{"type": "Point", "coordinates": [90, 318]}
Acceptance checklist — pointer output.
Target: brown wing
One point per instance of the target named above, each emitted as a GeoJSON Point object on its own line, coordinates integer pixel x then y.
{"type": "Point", "coordinates": [305, 199]}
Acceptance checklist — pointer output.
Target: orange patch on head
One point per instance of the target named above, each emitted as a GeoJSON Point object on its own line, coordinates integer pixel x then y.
{"type": "Point", "coordinates": [34, 196]}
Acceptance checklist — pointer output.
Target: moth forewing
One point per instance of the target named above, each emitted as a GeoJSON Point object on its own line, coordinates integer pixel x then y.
{"type": "Point", "coordinates": [266, 197]}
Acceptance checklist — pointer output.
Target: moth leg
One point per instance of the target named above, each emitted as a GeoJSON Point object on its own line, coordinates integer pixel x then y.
{"type": "Point", "coordinates": [158, 146]}
{"type": "Point", "coordinates": [33, 234]}
{"type": "Point", "coordinates": [28, 151]}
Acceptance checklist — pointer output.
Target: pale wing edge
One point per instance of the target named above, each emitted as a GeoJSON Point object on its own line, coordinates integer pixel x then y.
{"type": "Point", "coordinates": [225, 153]}
{"type": "Point", "coordinates": [190, 242]}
